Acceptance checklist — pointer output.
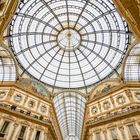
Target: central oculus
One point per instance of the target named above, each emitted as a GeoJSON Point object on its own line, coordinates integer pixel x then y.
{"type": "Point", "coordinates": [69, 40]}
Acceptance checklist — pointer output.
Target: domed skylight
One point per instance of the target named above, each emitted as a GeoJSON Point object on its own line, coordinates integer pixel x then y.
{"type": "Point", "coordinates": [68, 43]}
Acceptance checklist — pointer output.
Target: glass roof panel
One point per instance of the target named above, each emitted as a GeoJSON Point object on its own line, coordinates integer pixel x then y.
{"type": "Point", "coordinates": [132, 65]}
{"type": "Point", "coordinates": [7, 66]}
{"type": "Point", "coordinates": [68, 43]}
{"type": "Point", "coordinates": [70, 112]}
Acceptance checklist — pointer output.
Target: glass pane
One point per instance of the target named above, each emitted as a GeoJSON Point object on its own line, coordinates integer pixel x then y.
{"type": "Point", "coordinates": [22, 131]}
{"type": "Point", "coordinates": [4, 127]}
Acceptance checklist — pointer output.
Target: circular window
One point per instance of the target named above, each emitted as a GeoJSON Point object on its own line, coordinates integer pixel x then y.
{"type": "Point", "coordinates": [68, 40]}
{"type": "Point", "coordinates": [69, 43]}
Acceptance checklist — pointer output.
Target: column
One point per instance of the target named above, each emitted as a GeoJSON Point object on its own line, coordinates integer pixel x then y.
{"type": "Point", "coordinates": [112, 101]}
{"type": "Point", "coordinates": [121, 129]}
{"type": "Point", "coordinates": [105, 135]}
{"type": "Point", "coordinates": [41, 135]}
{"type": "Point", "coordinates": [119, 134]}
{"type": "Point", "coordinates": [10, 93]}
{"type": "Point", "coordinates": [93, 136]}
{"type": "Point", "coordinates": [90, 136]}
{"type": "Point", "coordinates": [30, 133]}
{"type": "Point", "coordinates": [32, 136]}
{"type": "Point", "coordinates": [38, 104]}
{"type": "Point", "coordinates": [99, 105]}
{"type": "Point", "coordinates": [108, 135]}
{"type": "Point", "coordinates": [137, 128]}
{"type": "Point", "coordinates": [102, 135]}
{"type": "Point", "coordinates": [46, 134]}
{"type": "Point", "coordinates": [16, 131]}
{"type": "Point", "coordinates": [11, 130]}
{"type": "Point", "coordinates": [127, 135]}
{"type": "Point", "coordinates": [25, 100]}
{"type": "Point", "coordinates": [27, 134]}
{"type": "Point", "coordinates": [1, 121]}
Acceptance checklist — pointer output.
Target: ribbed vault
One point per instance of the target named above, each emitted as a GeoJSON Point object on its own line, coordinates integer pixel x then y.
{"type": "Point", "coordinates": [70, 111]}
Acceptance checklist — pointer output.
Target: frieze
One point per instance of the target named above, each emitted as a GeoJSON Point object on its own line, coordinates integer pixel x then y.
{"type": "Point", "coordinates": [129, 120]}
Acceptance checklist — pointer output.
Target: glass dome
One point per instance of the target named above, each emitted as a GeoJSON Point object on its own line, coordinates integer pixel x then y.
{"type": "Point", "coordinates": [68, 43]}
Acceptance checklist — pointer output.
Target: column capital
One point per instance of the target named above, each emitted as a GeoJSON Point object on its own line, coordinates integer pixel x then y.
{"type": "Point", "coordinates": [16, 124]}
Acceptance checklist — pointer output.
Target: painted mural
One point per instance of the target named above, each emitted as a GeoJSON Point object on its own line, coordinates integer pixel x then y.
{"type": "Point", "coordinates": [104, 88]}
{"type": "Point", "coordinates": [33, 86]}
{"type": "Point", "coordinates": [38, 88]}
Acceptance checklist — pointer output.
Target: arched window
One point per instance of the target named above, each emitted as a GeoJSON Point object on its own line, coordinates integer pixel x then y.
{"type": "Point", "coordinates": [132, 65]}
{"type": "Point", "coordinates": [7, 66]}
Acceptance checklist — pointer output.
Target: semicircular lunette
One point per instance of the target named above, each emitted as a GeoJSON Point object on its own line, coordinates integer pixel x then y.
{"type": "Point", "coordinates": [132, 65]}
{"type": "Point", "coordinates": [7, 66]}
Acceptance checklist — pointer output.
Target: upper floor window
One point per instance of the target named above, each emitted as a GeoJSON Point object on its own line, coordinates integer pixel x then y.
{"type": "Point", "coordinates": [94, 110]}
{"type": "Point", "coordinates": [43, 109]}
{"type": "Point", "coordinates": [105, 135]}
{"type": "Point", "coordinates": [133, 132]}
{"type": "Point", "coordinates": [31, 103]}
{"type": "Point", "coordinates": [137, 96]}
{"type": "Point", "coordinates": [121, 100]}
{"type": "Point", "coordinates": [4, 128]}
{"type": "Point", "coordinates": [98, 137]}
{"type": "Point", "coordinates": [37, 135]}
{"type": "Point", "coordinates": [114, 134]}
{"type": "Point", "coordinates": [22, 133]}
{"type": "Point", "coordinates": [18, 98]}
{"type": "Point", "coordinates": [106, 105]}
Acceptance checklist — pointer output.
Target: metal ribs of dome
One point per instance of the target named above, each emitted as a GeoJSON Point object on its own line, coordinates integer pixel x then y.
{"type": "Point", "coordinates": [68, 43]}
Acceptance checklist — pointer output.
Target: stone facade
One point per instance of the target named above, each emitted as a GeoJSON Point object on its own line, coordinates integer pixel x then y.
{"type": "Point", "coordinates": [26, 116]}
{"type": "Point", "coordinates": [114, 115]}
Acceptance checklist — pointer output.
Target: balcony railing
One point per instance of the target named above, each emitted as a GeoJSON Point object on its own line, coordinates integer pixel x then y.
{"type": "Point", "coordinates": [114, 114]}
{"type": "Point", "coordinates": [28, 113]}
